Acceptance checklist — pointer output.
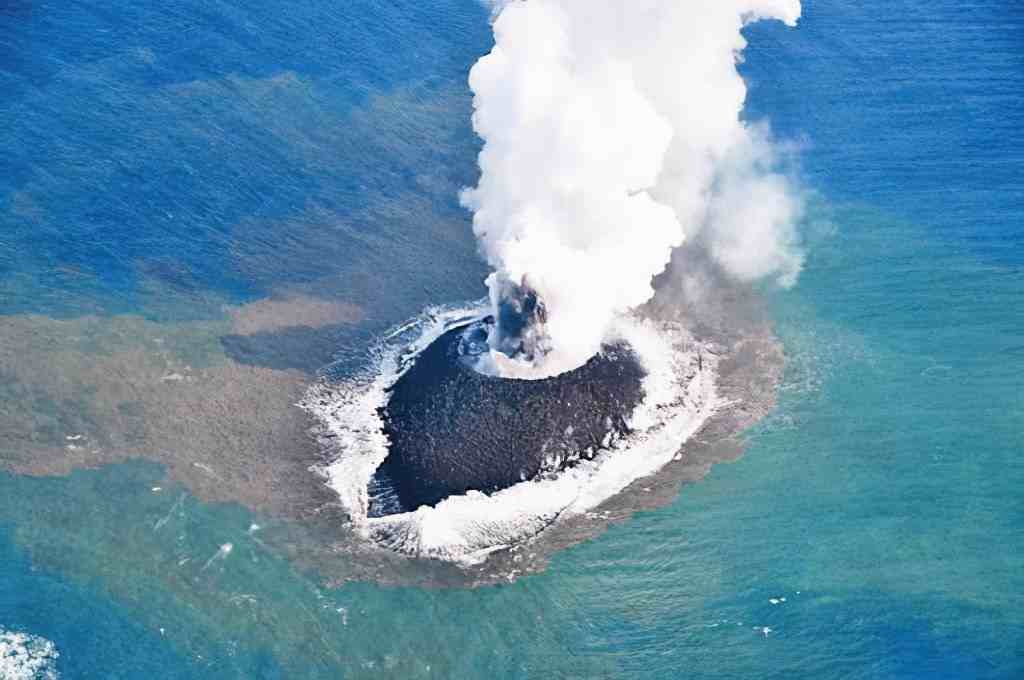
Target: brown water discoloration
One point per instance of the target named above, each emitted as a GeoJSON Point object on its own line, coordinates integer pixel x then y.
{"type": "Point", "coordinates": [92, 391]}
{"type": "Point", "coordinates": [271, 314]}
{"type": "Point", "coordinates": [86, 392]}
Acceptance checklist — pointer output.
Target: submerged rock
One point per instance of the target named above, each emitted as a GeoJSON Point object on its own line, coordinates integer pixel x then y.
{"type": "Point", "coordinates": [453, 429]}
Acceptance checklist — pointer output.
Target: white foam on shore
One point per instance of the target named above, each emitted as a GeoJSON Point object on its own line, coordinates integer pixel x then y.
{"type": "Point", "coordinates": [680, 396]}
{"type": "Point", "coordinates": [27, 657]}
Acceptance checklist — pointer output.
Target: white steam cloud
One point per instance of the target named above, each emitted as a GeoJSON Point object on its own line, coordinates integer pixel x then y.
{"type": "Point", "coordinates": [612, 131]}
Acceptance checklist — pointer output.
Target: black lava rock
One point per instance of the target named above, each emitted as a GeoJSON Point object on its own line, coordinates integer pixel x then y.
{"type": "Point", "coordinates": [452, 429]}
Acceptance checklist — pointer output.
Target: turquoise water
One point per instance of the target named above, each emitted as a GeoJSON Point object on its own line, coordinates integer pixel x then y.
{"type": "Point", "coordinates": [166, 161]}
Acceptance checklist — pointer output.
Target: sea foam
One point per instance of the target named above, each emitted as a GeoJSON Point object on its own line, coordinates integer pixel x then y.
{"type": "Point", "coordinates": [27, 657]}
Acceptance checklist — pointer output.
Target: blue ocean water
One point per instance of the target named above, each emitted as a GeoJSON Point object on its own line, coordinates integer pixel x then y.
{"type": "Point", "coordinates": [163, 160]}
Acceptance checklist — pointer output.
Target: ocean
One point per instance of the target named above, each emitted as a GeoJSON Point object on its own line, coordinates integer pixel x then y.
{"type": "Point", "coordinates": [167, 171]}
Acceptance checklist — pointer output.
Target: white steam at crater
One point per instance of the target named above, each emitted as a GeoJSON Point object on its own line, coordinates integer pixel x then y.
{"type": "Point", "coordinates": [612, 131]}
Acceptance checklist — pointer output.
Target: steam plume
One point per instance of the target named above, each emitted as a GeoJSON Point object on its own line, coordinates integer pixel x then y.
{"type": "Point", "coordinates": [611, 131]}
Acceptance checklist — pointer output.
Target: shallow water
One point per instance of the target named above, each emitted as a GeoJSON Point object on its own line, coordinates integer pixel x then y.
{"type": "Point", "coordinates": [164, 162]}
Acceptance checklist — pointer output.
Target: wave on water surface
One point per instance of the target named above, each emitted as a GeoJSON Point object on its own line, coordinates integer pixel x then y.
{"type": "Point", "coordinates": [679, 397]}
{"type": "Point", "coordinates": [27, 657]}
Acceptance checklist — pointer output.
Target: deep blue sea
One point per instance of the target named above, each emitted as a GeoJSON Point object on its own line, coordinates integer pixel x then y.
{"type": "Point", "coordinates": [163, 160]}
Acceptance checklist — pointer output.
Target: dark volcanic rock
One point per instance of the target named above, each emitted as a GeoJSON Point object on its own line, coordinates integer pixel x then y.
{"type": "Point", "coordinates": [453, 429]}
